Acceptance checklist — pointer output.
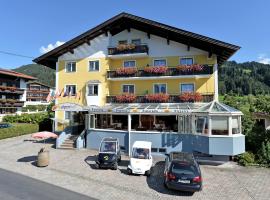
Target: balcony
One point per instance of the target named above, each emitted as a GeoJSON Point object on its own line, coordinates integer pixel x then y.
{"type": "Point", "coordinates": [11, 90]}
{"type": "Point", "coordinates": [127, 50]}
{"type": "Point", "coordinates": [11, 103]}
{"type": "Point", "coordinates": [175, 98]}
{"type": "Point", "coordinates": [169, 71]}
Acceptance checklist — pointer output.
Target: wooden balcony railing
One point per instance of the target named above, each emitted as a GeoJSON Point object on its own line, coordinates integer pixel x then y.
{"type": "Point", "coordinates": [142, 48]}
{"type": "Point", "coordinates": [171, 71]}
{"type": "Point", "coordinates": [13, 90]}
{"type": "Point", "coordinates": [11, 103]}
{"type": "Point", "coordinates": [206, 97]}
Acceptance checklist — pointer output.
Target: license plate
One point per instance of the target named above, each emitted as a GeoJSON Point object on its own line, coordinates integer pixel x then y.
{"type": "Point", "coordinates": [183, 181]}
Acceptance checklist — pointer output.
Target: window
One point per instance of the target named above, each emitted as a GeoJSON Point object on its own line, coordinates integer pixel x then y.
{"type": "Point", "coordinates": [130, 63]}
{"type": "Point", "coordinates": [220, 125]}
{"type": "Point", "coordinates": [160, 88]}
{"type": "Point", "coordinates": [128, 89]}
{"type": "Point", "coordinates": [69, 115]}
{"type": "Point", "coordinates": [201, 125]}
{"type": "Point", "coordinates": [136, 41]}
{"type": "Point", "coordinates": [93, 90]}
{"type": "Point", "coordinates": [71, 67]}
{"type": "Point", "coordinates": [187, 87]}
{"type": "Point", "coordinates": [70, 90]}
{"type": "Point", "coordinates": [186, 61]}
{"type": "Point", "coordinates": [122, 42]}
{"type": "Point", "coordinates": [160, 62]}
{"type": "Point", "coordinates": [94, 65]}
{"type": "Point", "coordinates": [236, 125]}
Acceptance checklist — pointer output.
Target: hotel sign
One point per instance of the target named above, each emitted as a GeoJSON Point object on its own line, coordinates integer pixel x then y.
{"type": "Point", "coordinates": [67, 107]}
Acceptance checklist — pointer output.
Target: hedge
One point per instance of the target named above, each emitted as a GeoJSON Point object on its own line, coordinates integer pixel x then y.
{"type": "Point", "coordinates": [17, 130]}
{"type": "Point", "coordinates": [26, 118]}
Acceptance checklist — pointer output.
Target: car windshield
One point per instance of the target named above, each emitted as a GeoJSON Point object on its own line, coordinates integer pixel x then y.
{"type": "Point", "coordinates": [108, 147]}
{"type": "Point", "coordinates": [183, 168]}
{"type": "Point", "coordinates": [140, 153]}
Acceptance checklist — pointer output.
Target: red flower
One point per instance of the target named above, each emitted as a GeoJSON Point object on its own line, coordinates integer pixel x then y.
{"type": "Point", "coordinates": [188, 68]}
{"type": "Point", "coordinates": [156, 69]}
{"type": "Point", "coordinates": [126, 98]}
{"type": "Point", "coordinates": [190, 97]}
{"type": "Point", "coordinates": [126, 71]}
{"type": "Point", "coordinates": [157, 98]}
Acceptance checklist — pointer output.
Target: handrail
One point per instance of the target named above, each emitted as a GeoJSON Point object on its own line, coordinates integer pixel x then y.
{"type": "Point", "coordinates": [80, 140]}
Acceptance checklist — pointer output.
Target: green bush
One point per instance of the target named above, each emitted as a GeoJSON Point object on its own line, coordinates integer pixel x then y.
{"type": "Point", "coordinates": [26, 118]}
{"type": "Point", "coordinates": [18, 129]}
{"type": "Point", "coordinates": [264, 154]}
{"type": "Point", "coordinates": [246, 159]}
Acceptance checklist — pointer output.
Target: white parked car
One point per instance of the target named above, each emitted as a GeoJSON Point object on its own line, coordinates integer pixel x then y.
{"type": "Point", "coordinates": [141, 159]}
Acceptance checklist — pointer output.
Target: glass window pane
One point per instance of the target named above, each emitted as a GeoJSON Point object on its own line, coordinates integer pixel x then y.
{"type": "Point", "coordinates": [163, 88]}
{"type": "Point", "coordinates": [156, 88]}
{"type": "Point", "coordinates": [160, 62]}
{"type": "Point", "coordinates": [136, 41]}
{"type": "Point", "coordinates": [219, 125]}
{"type": "Point", "coordinates": [129, 63]}
{"type": "Point", "coordinates": [186, 61]}
{"type": "Point", "coordinates": [187, 88]}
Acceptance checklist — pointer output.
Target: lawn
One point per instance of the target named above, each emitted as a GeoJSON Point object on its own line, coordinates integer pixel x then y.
{"type": "Point", "coordinates": [18, 129]}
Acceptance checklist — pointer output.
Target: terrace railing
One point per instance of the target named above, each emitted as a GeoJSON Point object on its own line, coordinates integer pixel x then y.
{"type": "Point", "coordinates": [142, 48]}
{"type": "Point", "coordinates": [175, 98]}
{"type": "Point", "coordinates": [171, 71]}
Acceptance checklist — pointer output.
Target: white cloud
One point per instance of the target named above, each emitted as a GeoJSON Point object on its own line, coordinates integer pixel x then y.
{"type": "Point", "coordinates": [262, 58]}
{"type": "Point", "coordinates": [50, 47]}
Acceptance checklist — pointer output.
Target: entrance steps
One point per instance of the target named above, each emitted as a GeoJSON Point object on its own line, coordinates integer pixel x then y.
{"type": "Point", "coordinates": [69, 143]}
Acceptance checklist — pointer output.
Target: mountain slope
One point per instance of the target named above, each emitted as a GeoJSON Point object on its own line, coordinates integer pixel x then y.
{"type": "Point", "coordinates": [44, 74]}
{"type": "Point", "coordinates": [244, 78]}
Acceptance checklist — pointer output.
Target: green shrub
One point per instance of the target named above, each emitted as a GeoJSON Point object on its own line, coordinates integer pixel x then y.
{"type": "Point", "coordinates": [18, 129]}
{"type": "Point", "coordinates": [26, 118]}
{"type": "Point", "coordinates": [264, 154]}
{"type": "Point", "coordinates": [246, 159]}
{"type": "Point", "coordinates": [32, 108]}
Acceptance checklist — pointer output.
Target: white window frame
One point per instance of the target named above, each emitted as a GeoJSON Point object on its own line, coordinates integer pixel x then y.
{"type": "Point", "coordinates": [180, 86]}
{"type": "Point", "coordinates": [136, 39]}
{"type": "Point", "coordinates": [129, 61]}
{"type": "Point", "coordinates": [128, 89]}
{"type": "Point", "coordinates": [93, 84]}
{"type": "Point", "coordinates": [66, 63]}
{"type": "Point", "coordinates": [153, 63]}
{"type": "Point", "coordinates": [160, 84]}
{"type": "Point", "coordinates": [89, 70]}
{"type": "Point", "coordinates": [187, 57]}
{"type": "Point", "coordinates": [70, 85]}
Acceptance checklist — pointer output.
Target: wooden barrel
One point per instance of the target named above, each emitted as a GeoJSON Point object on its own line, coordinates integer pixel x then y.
{"type": "Point", "coordinates": [43, 159]}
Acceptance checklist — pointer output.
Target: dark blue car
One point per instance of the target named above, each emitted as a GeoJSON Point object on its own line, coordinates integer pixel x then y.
{"type": "Point", "coordinates": [182, 172]}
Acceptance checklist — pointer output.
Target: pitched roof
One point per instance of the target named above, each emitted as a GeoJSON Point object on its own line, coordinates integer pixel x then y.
{"type": "Point", "coordinates": [16, 74]}
{"type": "Point", "coordinates": [39, 83]}
{"type": "Point", "coordinates": [124, 21]}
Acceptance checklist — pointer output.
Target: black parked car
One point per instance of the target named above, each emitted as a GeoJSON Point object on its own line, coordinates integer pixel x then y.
{"type": "Point", "coordinates": [182, 172]}
{"type": "Point", "coordinates": [109, 153]}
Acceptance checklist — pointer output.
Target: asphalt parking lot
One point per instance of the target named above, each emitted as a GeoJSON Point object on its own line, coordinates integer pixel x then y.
{"type": "Point", "coordinates": [75, 170]}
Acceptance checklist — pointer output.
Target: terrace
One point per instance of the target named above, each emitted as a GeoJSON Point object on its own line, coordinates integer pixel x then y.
{"type": "Point", "coordinates": [128, 49]}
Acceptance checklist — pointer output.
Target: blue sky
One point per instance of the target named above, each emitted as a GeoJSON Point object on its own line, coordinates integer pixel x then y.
{"type": "Point", "coordinates": [26, 26]}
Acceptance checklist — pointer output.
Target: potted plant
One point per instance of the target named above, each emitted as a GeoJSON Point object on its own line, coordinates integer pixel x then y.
{"type": "Point", "coordinates": [126, 98]}
{"type": "Point", "coordinates": [123, 47]}
{"type": "Point", "coordinates": [157, 98]}
{"type": "Point", "coordinates": [157, 70]}
{"type": "Point", "coordinates": [185, 69]}
{"type": "Point", "coordinates": [190, 97]}
{"type": "Point", "coordinates": [126, 71]}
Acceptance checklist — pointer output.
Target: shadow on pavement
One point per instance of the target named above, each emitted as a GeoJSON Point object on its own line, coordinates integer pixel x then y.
{"type": "Point", "coordinates": [155, 181]}
{"type": "Point", "coordinates": [90, 160]}
{"type": "Point", "coordinates": [27, 159]}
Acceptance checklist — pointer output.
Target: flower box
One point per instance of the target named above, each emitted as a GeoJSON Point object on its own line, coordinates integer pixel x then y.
{"type": "Point", "coordinates": [123, 47]}
{"type": "Point", "coordinates": [126, 71]}
{"type": "Point", "coordinates": [157, 98]}
{"type": "Point", "coordinates": [126, 98]}
{"type": "Point", "coordinates": [190, 68]}
{"type": "Point", "coordinates": [190, 97]}
{"type": "Point", "coordinates": [156, 69]}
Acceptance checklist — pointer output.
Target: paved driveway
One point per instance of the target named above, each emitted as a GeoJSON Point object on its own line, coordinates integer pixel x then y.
{"type": "Point", "coordinates": [75, 170]}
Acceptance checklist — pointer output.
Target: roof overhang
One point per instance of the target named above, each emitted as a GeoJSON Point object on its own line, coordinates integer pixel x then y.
{"type": "Point", "coordinates": [125, 21]}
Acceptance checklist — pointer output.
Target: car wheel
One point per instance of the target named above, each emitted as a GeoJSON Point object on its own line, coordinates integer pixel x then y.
{"type": "Point", "coordinates": [165, 185]}
{"type": "Point", "coordinates": [115, 166]}
{"type": "Point", "coordinates": [148, 173]}
{"type": "Point", "coordinates": [97, 166]}
{"type": "Point", "coordinates": [129, 171]}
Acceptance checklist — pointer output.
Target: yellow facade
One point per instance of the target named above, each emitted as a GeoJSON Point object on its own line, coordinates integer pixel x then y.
{"type": "Point", "coordinates": [82, 75]}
